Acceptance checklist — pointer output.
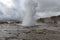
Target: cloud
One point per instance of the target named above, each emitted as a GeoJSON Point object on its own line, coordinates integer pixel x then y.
{"type": "Point", "coordinates": [10, 11]}
{"type": "Point", "coordinates": [15, 9]}
{"type": "Point", "coordinates": [46, 8]}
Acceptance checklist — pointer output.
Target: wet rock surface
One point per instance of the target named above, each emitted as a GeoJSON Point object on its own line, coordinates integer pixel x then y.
{"type": "Point", "coordinates": [40, 32]}
{"type": "Point", "coordinates": [45, 29]}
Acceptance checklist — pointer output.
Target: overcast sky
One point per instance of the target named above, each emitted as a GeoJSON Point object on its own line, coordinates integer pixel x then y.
{"type": "Point", "coordinates": [45, 8]}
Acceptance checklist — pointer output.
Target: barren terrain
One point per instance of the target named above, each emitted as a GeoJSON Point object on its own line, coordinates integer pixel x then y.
{"type": "Point", "coordinates": [45, 29]}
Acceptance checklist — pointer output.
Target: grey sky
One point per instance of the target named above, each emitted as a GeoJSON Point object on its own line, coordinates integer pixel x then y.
{"type": "Point", "coordinates": [45, 8]}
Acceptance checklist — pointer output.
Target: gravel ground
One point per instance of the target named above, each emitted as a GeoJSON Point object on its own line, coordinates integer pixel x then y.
{"type": "Point", "coordinates": [39, 32]}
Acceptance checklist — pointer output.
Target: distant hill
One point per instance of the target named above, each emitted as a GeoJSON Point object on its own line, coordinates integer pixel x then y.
{"type": "Point", "coordinates": [50, 20]}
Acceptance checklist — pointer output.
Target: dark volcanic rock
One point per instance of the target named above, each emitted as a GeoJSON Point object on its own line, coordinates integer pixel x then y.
{"type": "Point", "coordinates": [50, 20]}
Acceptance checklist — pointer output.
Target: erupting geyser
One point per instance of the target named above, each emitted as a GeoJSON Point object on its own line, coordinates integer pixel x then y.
{"type": "Point", "coordinates": [30, 9]}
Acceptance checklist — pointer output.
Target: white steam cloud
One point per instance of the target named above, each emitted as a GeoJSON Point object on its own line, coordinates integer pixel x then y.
{"type": "Point", "coordinates": [15, 9]}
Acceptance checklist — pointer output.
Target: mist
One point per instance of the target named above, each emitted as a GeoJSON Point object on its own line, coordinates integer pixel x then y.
{"type": "Point", "coordinates": [15, 9]}
{"type": "Point", "coordinates": [47, 8]}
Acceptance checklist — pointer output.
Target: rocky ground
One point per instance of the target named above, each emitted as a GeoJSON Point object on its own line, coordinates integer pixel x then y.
{"type": "Point", "coordinates": [40, 32]}
{"type": "Point", "coordinates": [45, 29]}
